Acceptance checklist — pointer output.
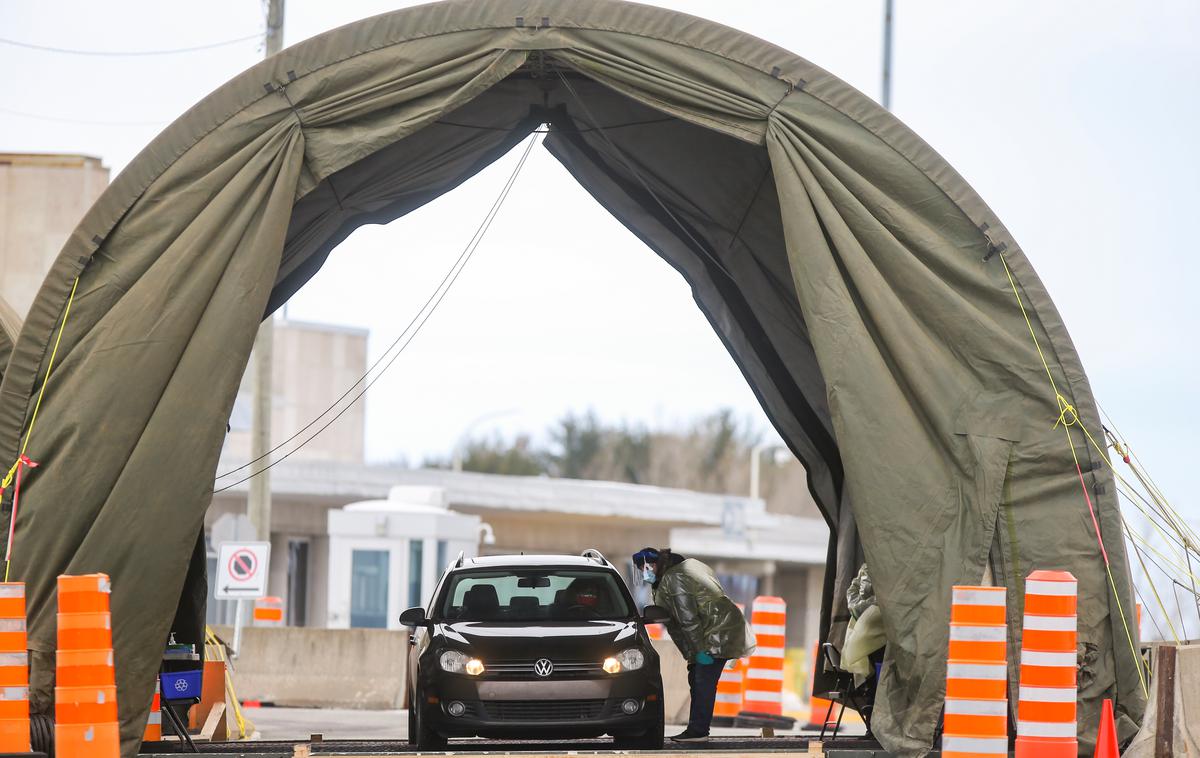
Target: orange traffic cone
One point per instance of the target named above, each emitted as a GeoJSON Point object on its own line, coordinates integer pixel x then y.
{"type": "Point", "coordinates": [1106, 739]}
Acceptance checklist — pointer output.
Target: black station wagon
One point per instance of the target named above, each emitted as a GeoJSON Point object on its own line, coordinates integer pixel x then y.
{"type": "Point", "coordinates": [533, 647]}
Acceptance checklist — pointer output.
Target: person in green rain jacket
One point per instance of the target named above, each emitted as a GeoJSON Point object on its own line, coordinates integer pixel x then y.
{"type": "Point", "coordinates": [706, 626]}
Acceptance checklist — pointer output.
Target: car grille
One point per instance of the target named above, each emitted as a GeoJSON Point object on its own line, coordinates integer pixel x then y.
{"type": "Point", "coordinates": [562, 669]}
{"type": "Point", "coordinates": [543, 710]}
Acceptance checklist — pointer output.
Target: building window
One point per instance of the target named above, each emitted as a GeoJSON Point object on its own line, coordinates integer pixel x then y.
{"type": "Point", "coordinates": [416, 563]}
{"type": "Point", "coordinates": [443, 547]}
{"type": "Point", "coordinates": [369, 589]}
{"type": "Point", "coordinates": [297, 593]}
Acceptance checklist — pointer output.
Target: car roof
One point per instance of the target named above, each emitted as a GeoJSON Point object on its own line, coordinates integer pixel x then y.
{"type": "Point", "coordinates": [529, 561]}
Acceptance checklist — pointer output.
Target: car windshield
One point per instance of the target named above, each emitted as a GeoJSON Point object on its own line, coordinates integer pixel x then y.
{"type": "Point", "coordinates": [532, 595]}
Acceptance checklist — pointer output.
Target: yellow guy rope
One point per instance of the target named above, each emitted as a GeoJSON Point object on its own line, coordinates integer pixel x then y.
{"type": "Point", "coordinates": [38, 405]}
{"type": "Point", "coordinates": [1139, 470]}
{"type": "Point", "coordinates": [1067, 416]}
{"type": "Point", "coordinates": [1161, 606]}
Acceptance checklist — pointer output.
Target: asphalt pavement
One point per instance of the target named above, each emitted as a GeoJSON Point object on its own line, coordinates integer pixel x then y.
{"type": "Point", "coordinates": [383, 733]}
{"type": "Point", "coordinates": [333, 723]}
{"type": "Point", "coordinates": [344, 724]}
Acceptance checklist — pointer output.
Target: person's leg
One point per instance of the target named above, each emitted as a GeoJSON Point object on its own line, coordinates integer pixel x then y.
{"type": "Point", "coordinates": [704, 696]}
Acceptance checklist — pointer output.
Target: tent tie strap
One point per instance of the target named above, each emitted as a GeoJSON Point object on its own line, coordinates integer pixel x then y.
{"type": "Point", "coordinates": [23, 461]}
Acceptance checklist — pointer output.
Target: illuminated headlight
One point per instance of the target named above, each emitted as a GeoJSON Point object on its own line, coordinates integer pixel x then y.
{"type": "Point", "coordinates": [612, 665]}
{"type": "Point", "coordinates": [631, 659]}
{"type": "Point", "coordinates": [474, 667]}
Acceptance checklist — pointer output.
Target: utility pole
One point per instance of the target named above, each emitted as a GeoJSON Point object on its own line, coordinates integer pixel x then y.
{"type": "Point", "coordinates": [887, 54]}
{"type": "Point", "coordinates": [258, 505]}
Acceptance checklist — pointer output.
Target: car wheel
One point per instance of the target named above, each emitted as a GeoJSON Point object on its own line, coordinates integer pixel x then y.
{"type": "Point", "coordinates": [651, 739]}
{"type": "Point", "coordinates": [41, 734]}
{"type": "Point", "coordinates": [420, 733]}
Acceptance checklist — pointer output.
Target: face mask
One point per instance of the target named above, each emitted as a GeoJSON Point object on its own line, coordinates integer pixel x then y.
{"type": "Point", "coordinates": [648, 575]}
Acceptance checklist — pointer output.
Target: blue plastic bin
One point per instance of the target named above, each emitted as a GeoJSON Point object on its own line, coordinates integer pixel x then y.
{"type": "Point", "coordinates": [181, 685]}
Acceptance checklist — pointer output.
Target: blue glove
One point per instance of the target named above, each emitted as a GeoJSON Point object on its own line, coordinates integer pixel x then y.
{"type": "Point", "coordinates": [704, 658]}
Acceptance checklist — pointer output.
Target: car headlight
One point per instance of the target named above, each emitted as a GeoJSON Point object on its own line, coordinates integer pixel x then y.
{"type": "Point", "coordinates": [611, 666]}
{"type": "Point", "coordinates": [453, 661]}
{"type": "Point", "coordinates": [631, 659]}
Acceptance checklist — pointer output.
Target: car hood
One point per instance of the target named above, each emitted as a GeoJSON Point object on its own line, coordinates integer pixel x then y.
{"type": "Point", "coordinates": [559, 640]}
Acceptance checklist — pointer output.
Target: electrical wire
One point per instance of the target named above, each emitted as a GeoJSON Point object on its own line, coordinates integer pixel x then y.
{"type": "Point", "coordinates": [79, 121]}
{"type": "Point", "coordinates": [128, 53]}
{"type": "Point", "coordinates": [419, 320]}
{"type": "Point", "coordinates": [456, 266]}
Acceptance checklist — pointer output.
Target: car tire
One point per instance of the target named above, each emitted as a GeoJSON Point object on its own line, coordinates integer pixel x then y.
{"type": "Point", "coordinates": [420, 734]}
{"type": "Point", "coordinates": [41, 734]}
{"type": "Point", "coordinates": [651, 739]}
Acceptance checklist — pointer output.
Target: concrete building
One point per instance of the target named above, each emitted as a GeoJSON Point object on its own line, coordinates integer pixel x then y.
{"type": "Point", "coordinates": [387, 555]}
{"type": "Point", "coordinates": [314, 364]}
{"type": "Point", "coordinates": [42, 199]}
{"type": "Point", "coordinates": [753, 551]}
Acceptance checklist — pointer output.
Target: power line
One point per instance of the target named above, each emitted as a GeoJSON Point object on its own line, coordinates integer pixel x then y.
{"type": "Point", "coordinates": [128, 53]}
{"type": "Point", "coordinates": [79, 121]}
{"type": "Point", "coordinates": [420, 319]}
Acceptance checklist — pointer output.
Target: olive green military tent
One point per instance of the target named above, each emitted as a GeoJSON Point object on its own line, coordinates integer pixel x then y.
{"type": "Point", "coordinates": [857, 280]}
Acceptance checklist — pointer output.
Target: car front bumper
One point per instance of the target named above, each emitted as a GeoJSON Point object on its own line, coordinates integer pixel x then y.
{"type": "Point", "coordinates": [555, 709]}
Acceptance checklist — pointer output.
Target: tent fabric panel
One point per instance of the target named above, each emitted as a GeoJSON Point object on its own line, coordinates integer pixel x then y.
{"type": "Point", "coordinates": [587, 156]}
{"type": "Point", "coordinates": [400, 178]}
{"type": "Point", "coordinates": [921, 323]}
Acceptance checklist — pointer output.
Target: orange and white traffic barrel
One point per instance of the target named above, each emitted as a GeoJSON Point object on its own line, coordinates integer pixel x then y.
{"type": "Point", "coordinates": [731, 686]}
{"type": "Point", "coordinates": [976, 715]}
{"type": "Point", "coordinates": [764, 674]}
{"type": "Point", "coordinates": [14, 670]}
{"type": "Point", "coordinates": [153, 731]}
{"type": "Point", "coordinates": [1046, 717]}
{"type": "Point", "coordinates": [656, 631]}
{"type": "Point", "coordinates": [268, 611]}
{"type": "Point", "coordinates": [85, 701]}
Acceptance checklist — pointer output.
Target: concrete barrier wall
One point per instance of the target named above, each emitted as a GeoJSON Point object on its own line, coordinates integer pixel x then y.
{"type": "Point", "coordinates": [364, 668]}
{"type": "Point", "coordinates": [677, 698]}
{"type": "Point", "coordinates": [1172, 722]}
{"type": "Point", "coordinates": [336, 668]}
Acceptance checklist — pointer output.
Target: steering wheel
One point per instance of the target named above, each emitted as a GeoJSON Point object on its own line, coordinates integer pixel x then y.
{"type": "Point", "coordinates": [579, 609]}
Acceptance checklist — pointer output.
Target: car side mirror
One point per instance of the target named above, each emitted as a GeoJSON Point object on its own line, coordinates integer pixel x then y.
{"type": "Point", "coordinates": [414, 617]}
{"type": "Point", "coordinates": [655, 614]}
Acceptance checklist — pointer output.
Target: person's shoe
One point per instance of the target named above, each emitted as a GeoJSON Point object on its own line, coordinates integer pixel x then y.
{"type": "Point", "coordinates": [688, 736]}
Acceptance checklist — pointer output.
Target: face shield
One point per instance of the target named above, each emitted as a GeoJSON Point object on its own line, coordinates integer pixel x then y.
{"type": "Point", "coordinates": [645, 563]}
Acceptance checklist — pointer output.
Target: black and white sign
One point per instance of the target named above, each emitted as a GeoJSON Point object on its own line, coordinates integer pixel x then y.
{"type": "Point", "coordinates": [242, 569]}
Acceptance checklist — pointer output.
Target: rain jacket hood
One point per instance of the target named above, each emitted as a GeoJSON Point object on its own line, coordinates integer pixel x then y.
{"type": "Point", "coordinates": [703, 618]}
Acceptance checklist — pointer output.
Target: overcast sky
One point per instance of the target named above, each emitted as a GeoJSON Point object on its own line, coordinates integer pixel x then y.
{"type": "Point", "coordinates": [1076, 122]}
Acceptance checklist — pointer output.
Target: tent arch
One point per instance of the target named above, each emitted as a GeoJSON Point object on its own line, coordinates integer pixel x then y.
{"type": "Point", "coordinates": [862, 298]}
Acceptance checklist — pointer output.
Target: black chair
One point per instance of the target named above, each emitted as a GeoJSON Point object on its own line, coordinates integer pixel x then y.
{"type": "Point", "coordinates": [846, 694]}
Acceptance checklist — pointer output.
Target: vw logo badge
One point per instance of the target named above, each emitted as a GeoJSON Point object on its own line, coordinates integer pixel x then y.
{"type": "Point", "coordinates": [543, 667]}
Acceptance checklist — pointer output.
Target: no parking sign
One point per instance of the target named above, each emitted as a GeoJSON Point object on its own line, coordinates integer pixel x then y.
{"type": "Point", "coordinates": [242, 570]}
